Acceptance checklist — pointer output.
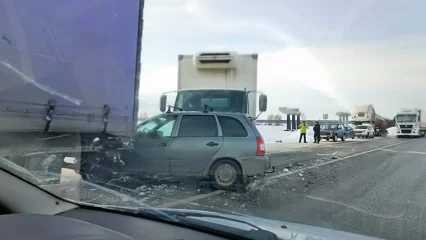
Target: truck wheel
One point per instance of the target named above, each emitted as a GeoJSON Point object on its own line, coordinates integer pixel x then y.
{"type": "Point", "coordinates": [343, 138]}
{"type": "Point", "coordinates": [225, 175]}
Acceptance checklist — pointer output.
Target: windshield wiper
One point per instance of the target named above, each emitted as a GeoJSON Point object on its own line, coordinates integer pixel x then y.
{"type": "Point", "coordinates": [194, 220]}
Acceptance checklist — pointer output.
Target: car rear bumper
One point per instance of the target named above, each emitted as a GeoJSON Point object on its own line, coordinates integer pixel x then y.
{"type": "Point", "coordinates": [254, 165]}
{"type": "Point", "coordinates": [361, 134]}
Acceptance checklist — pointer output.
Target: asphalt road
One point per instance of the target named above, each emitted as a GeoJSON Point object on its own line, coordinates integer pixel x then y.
{"type": "Point", "coordinates": [373, 187]}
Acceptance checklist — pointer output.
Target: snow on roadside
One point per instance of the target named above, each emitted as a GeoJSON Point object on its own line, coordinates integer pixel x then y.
{"type": "Point", "coordinates": [392, 131]}
{"type": "Point", "coordinates": [274, 134]}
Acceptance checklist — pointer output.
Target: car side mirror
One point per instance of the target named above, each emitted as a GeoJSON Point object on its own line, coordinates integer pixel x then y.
{"type": "Point", "coordinates": [263, 103]}
{"type": "Point", "coordinates": [163, 102]}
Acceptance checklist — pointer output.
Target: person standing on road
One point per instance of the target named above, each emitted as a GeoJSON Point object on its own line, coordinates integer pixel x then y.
{"type": "Point", "coordinates": [303, 128]}
{"type": "Point", "coordinates": [317, 129]}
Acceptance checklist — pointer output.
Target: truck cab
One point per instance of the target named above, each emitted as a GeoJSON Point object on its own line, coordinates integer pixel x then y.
{"type": "Point", "coordinates": [222, 81]}
{"type": "Point", "coordinates": [409, 123]}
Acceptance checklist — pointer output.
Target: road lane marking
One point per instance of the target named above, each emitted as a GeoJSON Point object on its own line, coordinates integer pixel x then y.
{"type": "Point", "coordinates": [396, 151]}
{"type": "Point", "coordinates": [396, 216]}
{"type": "Point", "coordinates": [332, 161]}
{"type": "Point", "coordinates": [190, 199]}
{"type": "Point", "coordinates": [214, 193]}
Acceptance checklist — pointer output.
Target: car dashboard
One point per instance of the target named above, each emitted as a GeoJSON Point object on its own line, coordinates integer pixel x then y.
{"type": "Point", "coordinates": [86, 224]}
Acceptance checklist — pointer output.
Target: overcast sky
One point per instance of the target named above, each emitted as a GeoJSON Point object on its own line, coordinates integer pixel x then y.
{"type": "Point", "coordinates": [319, 56]}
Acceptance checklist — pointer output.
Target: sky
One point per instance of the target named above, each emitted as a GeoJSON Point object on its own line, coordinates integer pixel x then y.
{"type": "Point", "coordinates": [318, 56]}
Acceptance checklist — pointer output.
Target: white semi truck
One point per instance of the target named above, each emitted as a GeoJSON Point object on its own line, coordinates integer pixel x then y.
{"type": "Point", "coordinates": [366, 114]}
{"type": "Point", "coordinates": [410, 122]}
{"type": "Point", "coordinates": [218, 81]}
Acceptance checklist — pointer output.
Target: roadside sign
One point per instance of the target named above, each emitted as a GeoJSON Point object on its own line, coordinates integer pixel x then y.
{"type": "Point", "coordinates": [325, 116]}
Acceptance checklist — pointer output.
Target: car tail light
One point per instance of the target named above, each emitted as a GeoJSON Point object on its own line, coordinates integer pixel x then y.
{"type": "Point", "coordinates": [260, 147]}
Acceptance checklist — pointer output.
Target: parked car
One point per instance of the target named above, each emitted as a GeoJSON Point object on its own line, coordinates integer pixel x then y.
{"type": "Point", "coordinates": [225, 148]}
{"type": "Point", "coordinates": [350, 132]}
{"type": "Point", "coordinates": [333, 131]}
{"type": "Point", "coordinates": [364, 131]}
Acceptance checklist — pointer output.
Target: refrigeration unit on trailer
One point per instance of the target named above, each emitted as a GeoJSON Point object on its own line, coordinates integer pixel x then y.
{"type": "Point", "coordinates": [221, 81]}
{"type": "Point", "coordinates": [367, 114]}
{"type": "Point", "coordinates": [410, 122]}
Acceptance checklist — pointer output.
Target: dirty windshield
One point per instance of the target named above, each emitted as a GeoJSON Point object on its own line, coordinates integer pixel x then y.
{"type": "Point", "coordinates": [406, 118]}
{"type": "Point", "coordinates": [219, 100]}
{"type": "Point", "coordinates": [223, 106]}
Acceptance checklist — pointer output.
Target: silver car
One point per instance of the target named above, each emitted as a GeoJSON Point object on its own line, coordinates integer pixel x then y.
{"type": "Point", "coordinates": [225, 148]}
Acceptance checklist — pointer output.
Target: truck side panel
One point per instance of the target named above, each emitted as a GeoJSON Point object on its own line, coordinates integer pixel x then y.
{"type": "Point", "coordinates": [423, 119]}
{"type": "Point", "coordinates": [76, 54]}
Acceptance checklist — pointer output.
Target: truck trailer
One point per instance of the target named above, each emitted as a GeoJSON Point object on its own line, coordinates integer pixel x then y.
{"type": "Point", "coordinates": [410, 122]}
{"type": "Point", "coordinates": [222, 81]}
{"type": "Point", "coordinates": [367, 114]}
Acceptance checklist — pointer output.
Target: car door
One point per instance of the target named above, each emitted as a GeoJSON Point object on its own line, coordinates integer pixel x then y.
{"type": "Point", "coordinates": [371, 130]}
{"type": "Point", "coordinates": [153, 141]}
{"type": "Point", "coordinates": [339, 130]}
{"type": "Point", "coordinates": [196, 143]}
{"type": "Point", "coordinates": [349, 131]}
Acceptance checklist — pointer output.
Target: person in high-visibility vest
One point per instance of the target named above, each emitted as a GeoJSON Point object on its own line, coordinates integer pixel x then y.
{"type": "Point", "coordinates": [303, 128]}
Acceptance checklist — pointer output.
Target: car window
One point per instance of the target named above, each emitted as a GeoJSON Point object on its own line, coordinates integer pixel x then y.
{"type": "Point", "coordinates": [146, 127]}
{"type": "Point", "coordinates": [167, 128]}
{"type": "Point", "coordinates": [163, 124]}
{"type": "Point", "coordinates": [198, 126]}
{"type": "Point", "coordinates": [232, 127]}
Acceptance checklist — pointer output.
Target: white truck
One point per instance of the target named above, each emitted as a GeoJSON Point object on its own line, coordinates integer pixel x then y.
{"type": "Point", "coordinates": [217, 81]}
{"type": "Point", "coordinates": [410, 122]}
{"type": "Point", "coordinates": [367, 114]}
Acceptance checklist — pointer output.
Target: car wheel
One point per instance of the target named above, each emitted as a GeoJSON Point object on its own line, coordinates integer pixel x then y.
{"type": "Point", "coordinates": [225, 175]}
{"type": "Point", "coordinates": [343, 138]}
{"type": "Point", "coordinates": [328, 139]}
{"type": "Point", "coordinates": [334, 138]}
{"type": "Point", "coordinates": [368, 135]}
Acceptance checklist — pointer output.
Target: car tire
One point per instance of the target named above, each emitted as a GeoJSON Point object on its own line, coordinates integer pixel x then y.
{"type": "Point", "coordinates": [343, 138]}
{"type": "Point", "coordinates": [334, 139]}
{"type": "Point", "coordinates": [224, 182]}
